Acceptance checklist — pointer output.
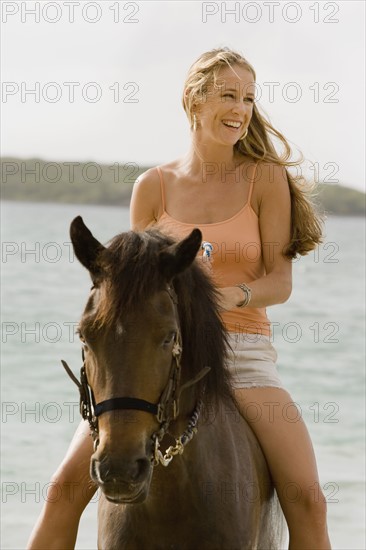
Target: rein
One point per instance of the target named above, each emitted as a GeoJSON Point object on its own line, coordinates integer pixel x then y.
{"type": "Point", "coordinates": [166, 410]}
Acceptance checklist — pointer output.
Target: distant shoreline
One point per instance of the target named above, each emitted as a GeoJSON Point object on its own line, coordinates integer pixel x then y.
{"type": "Point", "coordinates": [35, 180]}
{"type": "Point", "coordinates": [64, 203]}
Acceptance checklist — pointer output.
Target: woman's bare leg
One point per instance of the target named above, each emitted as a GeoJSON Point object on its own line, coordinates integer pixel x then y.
{"type": "Point", "coordinates": [70, 492]}
{"type": "Point", "coordinates": [290, 456]}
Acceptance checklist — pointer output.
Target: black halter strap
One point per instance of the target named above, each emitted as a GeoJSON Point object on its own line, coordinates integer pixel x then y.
{"type": "Point", "coordinates": [120, 403]}
{"type": "Point", "coordinates": [165, 410]}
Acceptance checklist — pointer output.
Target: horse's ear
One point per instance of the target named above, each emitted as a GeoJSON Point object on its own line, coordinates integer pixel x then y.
{"type": "Point", "coordinates": [86, 247]}
{"type": "Point", "coordinates": [177, 257]}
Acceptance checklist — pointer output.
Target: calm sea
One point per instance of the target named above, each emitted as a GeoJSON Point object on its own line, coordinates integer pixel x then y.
{"type": "Point", "coordinates": [319, 335]}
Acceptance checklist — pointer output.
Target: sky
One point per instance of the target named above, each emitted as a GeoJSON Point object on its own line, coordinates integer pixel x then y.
{"type": "Point", "coordinates": [107, 78]}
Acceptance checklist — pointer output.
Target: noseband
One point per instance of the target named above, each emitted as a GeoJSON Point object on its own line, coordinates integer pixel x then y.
{"type": "Point", "coordinates": [166, 410]}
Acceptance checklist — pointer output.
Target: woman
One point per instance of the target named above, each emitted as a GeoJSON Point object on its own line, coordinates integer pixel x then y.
{"type": "Point", "coordinates": [234, 186]}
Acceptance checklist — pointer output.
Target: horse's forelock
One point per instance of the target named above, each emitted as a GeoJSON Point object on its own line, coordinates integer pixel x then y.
{"type": "Point", "coordinates": [130, 265]}
{"type": "Point", "coordinates": [132, 272]}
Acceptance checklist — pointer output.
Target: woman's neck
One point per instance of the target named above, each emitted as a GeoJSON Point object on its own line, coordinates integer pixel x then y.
{"type": "Point", "coordinates": [210, 159]}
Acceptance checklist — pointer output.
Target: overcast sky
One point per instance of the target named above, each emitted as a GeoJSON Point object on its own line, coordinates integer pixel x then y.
{"type": "Point", "coordinates": [129, 65]}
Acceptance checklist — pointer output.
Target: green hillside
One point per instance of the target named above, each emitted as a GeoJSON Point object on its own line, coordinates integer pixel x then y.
{"type": "Point", "coordinates": [341, 200]}
{"type": "Point", "coordinates": [93, 183]}
{"type": "Point", "coordinates": [68, 182]}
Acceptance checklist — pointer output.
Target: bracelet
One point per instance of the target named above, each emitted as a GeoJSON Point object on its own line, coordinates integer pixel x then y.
{"type": "Point", "coordinates": [248, 295]}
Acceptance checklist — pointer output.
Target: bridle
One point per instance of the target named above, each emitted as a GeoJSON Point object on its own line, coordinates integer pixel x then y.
{"type": "Point", "coordinates": [165, 411]}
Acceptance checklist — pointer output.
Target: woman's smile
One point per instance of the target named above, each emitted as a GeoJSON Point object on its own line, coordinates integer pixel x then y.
{"type": "Point", "coordinates": [232, 125]}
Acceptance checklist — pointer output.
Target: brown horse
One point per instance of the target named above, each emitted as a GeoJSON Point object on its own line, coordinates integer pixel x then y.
{"type": "Point", "coordinates": [154, 371]}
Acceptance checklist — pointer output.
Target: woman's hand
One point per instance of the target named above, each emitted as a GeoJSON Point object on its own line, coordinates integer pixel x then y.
{"type": "Point", "coordinates": [230, 297]}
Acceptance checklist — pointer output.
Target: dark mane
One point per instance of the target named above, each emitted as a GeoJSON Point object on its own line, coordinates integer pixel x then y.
{"type": "Point", "coordinates": [131, 274]}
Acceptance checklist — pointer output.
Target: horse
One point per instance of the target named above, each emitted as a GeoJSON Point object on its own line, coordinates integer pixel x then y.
{"type": "Point", "coordinates": [154, 373]}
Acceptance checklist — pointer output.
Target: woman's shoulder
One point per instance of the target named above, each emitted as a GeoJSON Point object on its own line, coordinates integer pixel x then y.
{"type": "Point", "coordinates": [271, 187]}
{"type": "Point", "coordinates": [147, 200]}
{"type": "Point", "coordinates": [269, 183]}
{"type": "Point", "coordinates": [270, 178]}
{"type": "Point", "coordinates": [268, 171]}
{"type": "Point", "coordinates": [151, 176]}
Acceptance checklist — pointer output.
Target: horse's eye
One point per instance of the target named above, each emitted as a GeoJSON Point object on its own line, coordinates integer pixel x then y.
{"type": "Point", "coordinates": [81, 337]}
{"type": "Point", "coordinates": [84, 346]}
{"type": "Point", "coordinates": [169, 338]}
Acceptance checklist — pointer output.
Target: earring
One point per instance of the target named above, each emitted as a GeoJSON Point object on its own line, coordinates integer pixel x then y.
{"type": "Point", "coordinates": [244, 135]}
{"type": "Point", "coordinates": [194, 123]}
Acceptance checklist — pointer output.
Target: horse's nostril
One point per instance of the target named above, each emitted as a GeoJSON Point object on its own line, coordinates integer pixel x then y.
{"type": "Point", "coordinates": [143, 467]}
{"type": "Point", "coordinates": [94, 469]}
{"type": "Point", "coordinates": [122, 470]}
{"type": "Point", "coordinates": [133, 471]}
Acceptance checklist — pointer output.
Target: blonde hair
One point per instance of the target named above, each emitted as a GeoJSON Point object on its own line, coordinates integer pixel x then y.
{"type": "Point", "coordinates": [306, 222]}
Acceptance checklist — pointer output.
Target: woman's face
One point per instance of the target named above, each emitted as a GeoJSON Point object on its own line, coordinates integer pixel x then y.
{"type": "Point", "coordinates": [227, 110]}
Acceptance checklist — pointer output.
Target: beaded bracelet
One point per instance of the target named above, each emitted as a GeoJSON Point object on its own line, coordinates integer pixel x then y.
{"type": "Point", "coordinates": [248, 294]}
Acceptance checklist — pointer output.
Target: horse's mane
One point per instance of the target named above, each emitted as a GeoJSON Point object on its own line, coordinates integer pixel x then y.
{"type": "Point", "coordinates": [131, 265]}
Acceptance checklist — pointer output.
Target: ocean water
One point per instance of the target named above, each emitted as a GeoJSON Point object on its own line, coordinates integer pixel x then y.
{"type": "Point", "coordinates": [319, 335]}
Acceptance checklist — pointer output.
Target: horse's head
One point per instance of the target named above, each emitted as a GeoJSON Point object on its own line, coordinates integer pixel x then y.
{"type": "Point", "coordinates": [130, 331]}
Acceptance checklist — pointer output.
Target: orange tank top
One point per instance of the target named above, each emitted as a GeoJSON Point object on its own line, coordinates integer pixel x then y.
{"type": "Point", "coordinates": [236, 257]}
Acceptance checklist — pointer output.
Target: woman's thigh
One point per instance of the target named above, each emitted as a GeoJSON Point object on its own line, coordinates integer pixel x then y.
{"type": "Point", "coordinates": [284, 438]}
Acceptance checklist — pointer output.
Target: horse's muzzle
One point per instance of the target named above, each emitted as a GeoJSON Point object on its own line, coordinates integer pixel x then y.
{"type": "Point", "coordinates": [122, 481]}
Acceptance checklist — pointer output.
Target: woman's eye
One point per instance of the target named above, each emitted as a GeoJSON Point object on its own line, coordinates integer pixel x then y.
{"type": "Point", "coordinates": [250, 99]}
{"type": "Point", "coordinates": [228, 95]}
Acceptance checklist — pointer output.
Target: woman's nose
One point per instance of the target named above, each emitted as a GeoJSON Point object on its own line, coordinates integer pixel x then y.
{"type": "Point", "coordinates": [240, 108]}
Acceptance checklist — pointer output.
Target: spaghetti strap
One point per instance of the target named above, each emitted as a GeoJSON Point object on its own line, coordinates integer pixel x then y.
{"type": "Point", "coordinates": [252, 182]}
{"type": "Point", "coordinates": [161, 187]}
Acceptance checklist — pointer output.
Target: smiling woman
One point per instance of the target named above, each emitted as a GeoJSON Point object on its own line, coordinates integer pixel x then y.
{"type": "Point", "coordinates": [234, 186]}
{"type": "Point", "coordinates": [232, 86]}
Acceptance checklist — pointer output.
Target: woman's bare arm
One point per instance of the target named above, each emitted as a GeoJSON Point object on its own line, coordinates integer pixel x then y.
{"type": "Point", "coordinates": [145, 206]}
{"type": "Point", "coordinates": [275, 227]}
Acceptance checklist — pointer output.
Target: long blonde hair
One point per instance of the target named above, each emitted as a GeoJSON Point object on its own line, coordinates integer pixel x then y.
{"type": "Point", "coordinates": [306, 222]}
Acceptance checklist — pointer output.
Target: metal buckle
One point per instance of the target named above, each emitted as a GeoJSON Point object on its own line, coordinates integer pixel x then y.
{"type": "Point", "coordinates": [160, 413]}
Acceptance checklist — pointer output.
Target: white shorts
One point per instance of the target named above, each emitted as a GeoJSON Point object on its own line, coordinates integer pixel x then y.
{"type": "Point", "coordinates": [252, 361]}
